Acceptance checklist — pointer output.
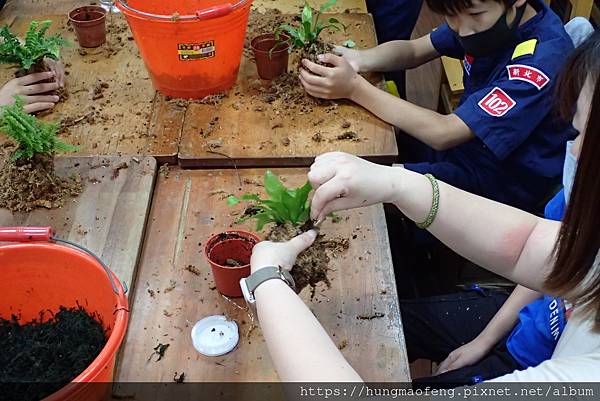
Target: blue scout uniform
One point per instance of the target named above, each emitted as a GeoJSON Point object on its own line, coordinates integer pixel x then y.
{"type": "Point", "coordinates": [508, 103]}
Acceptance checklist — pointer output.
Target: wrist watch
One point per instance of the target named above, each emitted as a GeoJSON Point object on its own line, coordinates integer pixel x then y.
{"type": "Point", "coordinates": [251, 283]}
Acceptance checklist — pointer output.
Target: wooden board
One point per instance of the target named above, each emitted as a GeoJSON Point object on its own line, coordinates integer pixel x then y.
{"type": "Point", "coordinates": [253, 133]}
{"type": "Point", "coordinates": [109, 217]}
{"type": "Point", "coordinates": [292, 6]}
{"type": "Point", "coordinates": [188, 207]}
{"type": "Point", "coordinates": [111, 98]}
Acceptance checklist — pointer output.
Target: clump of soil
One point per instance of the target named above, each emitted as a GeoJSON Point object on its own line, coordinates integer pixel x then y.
{"type": "Point", "coordinates": [30, 184]}
{"type": "Point", "coordinates": [311, 265]}
{"type": "Point", "coordinates": [311, 52]}
{"type": "Point", "coordinates": [40, 357]}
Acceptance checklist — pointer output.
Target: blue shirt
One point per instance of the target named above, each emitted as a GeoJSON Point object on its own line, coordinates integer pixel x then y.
{"type": "Point", "coordinates": [542, 322]}
{"type": "Point", "coordinates": [508, 103]}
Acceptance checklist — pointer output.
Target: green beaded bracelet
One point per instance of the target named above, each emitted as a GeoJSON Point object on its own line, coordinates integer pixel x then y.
{"type": "Point", "coordinates": [435, 204]}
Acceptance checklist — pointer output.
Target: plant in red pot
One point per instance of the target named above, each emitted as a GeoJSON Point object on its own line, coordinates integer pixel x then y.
{"type": "Point", "coordinates": [271, 55]}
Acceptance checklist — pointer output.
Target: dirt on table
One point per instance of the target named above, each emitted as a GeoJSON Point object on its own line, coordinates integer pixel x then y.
{"type": "Point", "coordinates": [311, 265]}
{"type": "Point", "coordinates": [42, 356]}
{"type": "Point", "coordinates": [26, 185]}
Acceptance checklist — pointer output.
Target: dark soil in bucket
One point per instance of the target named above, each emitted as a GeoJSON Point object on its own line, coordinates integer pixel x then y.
{"type": "Point", "coordinates": [32, 183]}
{"type": "Point", "coordinates": [45, 356]}
{"type": "Point", "coordinates": [311, 265]}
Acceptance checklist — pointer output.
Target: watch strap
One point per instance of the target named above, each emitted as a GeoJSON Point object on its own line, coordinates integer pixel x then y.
{"type": "Point", "coordinates": [269, 273]}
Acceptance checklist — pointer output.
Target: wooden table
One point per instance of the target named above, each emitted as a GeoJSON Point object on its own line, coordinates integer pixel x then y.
{"type": "Point", "coordinates": [111, 107]}
{"type": "Point", "coordinates": [109, 217]}
{"type": "Point", "coordinates": [247, 131]}
{"type": "Point", "coordinates": [169, 299]}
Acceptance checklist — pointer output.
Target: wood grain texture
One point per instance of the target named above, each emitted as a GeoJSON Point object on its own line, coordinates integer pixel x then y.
{"type": "Point", "coordinates": [110, 96]}
{"type": "Point", "coordinates": [188, 207]}
{"type": "Point", "coordinates": [252, 133]}
{"type": "Point", "coordinates": [109, 217]}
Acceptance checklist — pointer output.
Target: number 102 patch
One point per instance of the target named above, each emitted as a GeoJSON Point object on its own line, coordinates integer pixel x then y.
{"type": "Point", "coordinates": [496, 103]}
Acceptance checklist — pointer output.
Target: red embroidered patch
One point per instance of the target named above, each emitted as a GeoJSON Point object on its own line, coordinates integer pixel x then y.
{"type": "Point", "coordinates": [528, 74]}
{"type": "Point", "coordinates": [497, 103]}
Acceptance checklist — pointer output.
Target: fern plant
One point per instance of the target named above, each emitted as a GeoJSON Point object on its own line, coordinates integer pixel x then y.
{"type": "Point", "coordinates": [282, 205]}
{"type": "Point", "coordinates": [33, 136]}
{"type": "Point", "coordinates": [309, 29]}
{"type": "Point", "coordinates": [33, 49]}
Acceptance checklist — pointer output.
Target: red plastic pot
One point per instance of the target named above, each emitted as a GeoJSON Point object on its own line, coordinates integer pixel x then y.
{"type": "Point", "coordinates": [90, 25]}
{"type": "Point", "coordinates": [271, 55]}
{"type": "Point", "coordinates": [230, 245]}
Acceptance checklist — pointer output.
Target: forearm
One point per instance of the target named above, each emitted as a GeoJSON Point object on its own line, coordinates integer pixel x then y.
{"type": "Point", "coordinates": [500, 238]}
{"type": "Point", "coordinates": [398, 55]}
{"type": "Point", "coordinates": [438, 131]}
{"type": "Point", "coordinates": [299, 347]}
{"type": "Point", "coordinates": [507, 317]}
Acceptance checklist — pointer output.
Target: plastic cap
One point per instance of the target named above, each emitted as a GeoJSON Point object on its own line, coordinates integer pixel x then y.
{"type": "Point", "coordinates": [215, 335]}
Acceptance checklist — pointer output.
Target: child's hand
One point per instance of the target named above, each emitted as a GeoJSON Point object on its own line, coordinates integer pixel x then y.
{"type": "Point", "coordinates": [467, 355]}
{"type": "Point", "coordinates": [353, 56]}
{"type": "Point", "coordinates": [31, 91]}
{"type": "Point", "coordinates": [58, 69]}
{"type": "Point", "coordinates": [337, 82]}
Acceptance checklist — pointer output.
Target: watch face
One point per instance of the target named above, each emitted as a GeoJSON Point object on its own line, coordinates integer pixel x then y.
{"type": "Point", "coordinates": [248, 296]}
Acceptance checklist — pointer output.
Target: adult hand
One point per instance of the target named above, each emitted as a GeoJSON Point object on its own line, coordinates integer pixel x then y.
{"type": "Point", "coordinates": [335, 82]}
{"type": "Point", "coordinates": [29, 88]}
{"type": "Point", "coordinates": [353, 56]}
{"type": "Point", "coordinates": [343, 181]}
{"type": "Point", "coordinates": [467, 355]}
{"type": "Point", "coordinates": [284, 254]}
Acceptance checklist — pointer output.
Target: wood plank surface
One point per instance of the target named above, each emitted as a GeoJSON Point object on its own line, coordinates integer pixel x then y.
{"type": "Point", "coordinates": [109, 217]}
{"type": "Point", "coordinates": [110, 97]}
{"type": "Point", "coordinates": [247, 130]}
{"type": "Point", "coordinates": [169, 299]}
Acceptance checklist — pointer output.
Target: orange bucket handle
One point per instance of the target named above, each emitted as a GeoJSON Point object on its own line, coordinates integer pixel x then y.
{"type": "Point", "coordinates": [28, 234]}
{"type": "Point", "coordinates": [204, 14]}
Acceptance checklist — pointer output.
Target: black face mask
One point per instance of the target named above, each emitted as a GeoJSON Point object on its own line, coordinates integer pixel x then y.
{"type": "Point", "coordinates": [498, 37]}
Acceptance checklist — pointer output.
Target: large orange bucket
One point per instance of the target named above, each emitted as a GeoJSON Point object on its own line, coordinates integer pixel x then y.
{"type": "Point", "coordinates": [39, 276]}
{"type": "Point", "coordinates": [192, 48]}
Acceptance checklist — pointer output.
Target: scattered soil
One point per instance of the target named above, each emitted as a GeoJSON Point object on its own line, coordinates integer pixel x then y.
{"type": "Point", "coordinates": [180, 378]}
{"type": "Point", "coordinates": [311, 265]}
{"type": "Point", "coordinates": [349, 136]}
{"type": "Point", "coordinates": [49, 353]}
{"type": "Point", "coordinates": [342, 344]}
{"type": "Point", "coordinates": [261, 23]}
{"type": "Point", "coordinates": [26, 185]}
{"type": "Point", "coordinates": [376, 315]}
{"type": "Point", "coordinates": [159, 351]}
{"type": "Point", "coordinates": [193, 269]}
{"type": "Point", "coordinates": [164, 170]}
{"type": "Point", "coordinates": [117, 170]}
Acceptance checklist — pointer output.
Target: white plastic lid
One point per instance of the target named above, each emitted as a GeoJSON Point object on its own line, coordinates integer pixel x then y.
{"type": "Point", "coordinates": [215, 335]}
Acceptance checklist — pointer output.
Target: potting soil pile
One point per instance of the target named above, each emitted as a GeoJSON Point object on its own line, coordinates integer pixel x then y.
{"type": "Point", "coordinates": [311, 265]}
{"type": "Point", "coordinates": [38, 358]}
{"type": "Point", "coordinates": [34, 184]}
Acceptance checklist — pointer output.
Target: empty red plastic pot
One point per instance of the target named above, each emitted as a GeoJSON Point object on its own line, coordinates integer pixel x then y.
{"type": "Point", "coordinates": [90, 25]}
{"type": "Point", "coordinates": [271, 55]}
{"type": "Point", "coordinates": [229, 256]}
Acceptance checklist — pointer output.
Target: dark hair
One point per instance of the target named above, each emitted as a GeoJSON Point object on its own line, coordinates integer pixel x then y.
{"type": "Point", "coordinates": [576, 250]}
{"type": "Point", "coordinates": [453, 7]}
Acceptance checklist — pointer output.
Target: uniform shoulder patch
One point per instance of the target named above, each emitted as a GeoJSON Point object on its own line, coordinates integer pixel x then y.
{"type": "Point", "coordinates": [496, 103]}
{"type": "Point", "coordinates": [524, 48]}
{"type": "Point", "coordinates": [529, 74]}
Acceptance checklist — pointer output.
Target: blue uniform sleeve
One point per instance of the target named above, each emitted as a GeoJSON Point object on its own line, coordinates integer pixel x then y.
{"type": "Point", "coordinates": [445, 42]}
{"type": "Point", "coordinates": [506, 111]}
{"type": "Point", "coordinates": [555, 209]}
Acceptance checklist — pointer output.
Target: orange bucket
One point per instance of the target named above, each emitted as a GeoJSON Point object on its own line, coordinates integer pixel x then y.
{"type": "Point", "coordinates": [192, 48]}
{"type": "Point", "coordinates": [38, 276]}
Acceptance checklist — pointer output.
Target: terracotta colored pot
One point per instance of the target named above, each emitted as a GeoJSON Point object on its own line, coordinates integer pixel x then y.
{"type": "Point", "coordinates": [230, 245]}
{"type": "Point", "coordinates": [271, 55]}
{"type": "Point", "coordinates": [90, 25]}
